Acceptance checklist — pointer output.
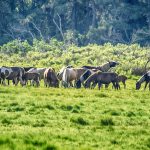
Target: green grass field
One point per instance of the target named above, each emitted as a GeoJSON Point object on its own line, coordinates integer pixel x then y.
{"type": "Point", "coordinates": [48, 118]}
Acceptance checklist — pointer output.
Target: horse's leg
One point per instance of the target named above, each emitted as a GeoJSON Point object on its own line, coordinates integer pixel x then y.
{"type": "Point", "coordinates": [48, 83]}
{"type": "Point", "coordinates": [33, 82]}
{"type": "Point", "coordinates": [38, 82]}
{"type": "Point", "coordinates": [4, 83]}
{"type": "Point", "coordinates": [99, 85]}
{"type": "Point", "coordinates": [93, 85]}
{"type": "Point", "coordinates": [114, 85]}
{"type": "Point", "coordinates": [45, 84]}
{"type": "Point", "coordinates": [71, 84]}
{"type": "Point", "coordinates": [123, 82]}
{"type": "Point", "coordinates": [117, 85]}
{"type": "Point", "coordinates": [145, 85]}
{"type": "Point", "coordinates": [16, 81]}
{"type": "Point", "coordinates": [8, 82]}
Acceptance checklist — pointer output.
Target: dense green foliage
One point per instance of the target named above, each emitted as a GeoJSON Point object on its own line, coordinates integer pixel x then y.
{"type": "Point", "coordinates": [82, 21]}
{"type": "Point", "coordinates": [132, 58]}
{"type": "Point", "coordinates": [47, 118]}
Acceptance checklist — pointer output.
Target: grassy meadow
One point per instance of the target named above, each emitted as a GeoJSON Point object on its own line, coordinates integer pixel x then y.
{"type": "Point", "coordinates": [49, 118]}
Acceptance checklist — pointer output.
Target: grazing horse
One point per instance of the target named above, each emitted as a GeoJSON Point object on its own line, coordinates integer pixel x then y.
{"type": "Point", "coordinates": [84, 76]}
{"type": "Point", "coordinates": [4, 73]}
{"type": "Point", "coordinates": [50, 78]}
{"type": "Point", "coordinates": [38, 70]}
{"type": "Point", "coordinates": [102, 78]}
{"type": "Point", "coordinates": [71, 74]}
{"type": "Point", "coordinates": [145, 78]}
{"type": "Point", "coordinates": [32, 76]}
{"type": "Point", "coordinates": [105, 67]}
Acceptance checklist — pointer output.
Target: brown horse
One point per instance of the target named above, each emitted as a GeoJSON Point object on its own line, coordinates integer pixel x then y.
{"type": "Point", "coordinates": [50, 78]}
{"type": "Point", "coordinates": [102, 78]}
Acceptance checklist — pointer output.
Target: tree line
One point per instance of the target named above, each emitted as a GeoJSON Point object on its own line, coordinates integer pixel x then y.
{"type": "Point", "coordinates": [76, 21]}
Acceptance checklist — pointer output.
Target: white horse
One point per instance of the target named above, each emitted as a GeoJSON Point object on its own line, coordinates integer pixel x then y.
{"type": "Point", "coordinates": [71, 74]}
{"type": "Point", "coordinates": [4, 73]}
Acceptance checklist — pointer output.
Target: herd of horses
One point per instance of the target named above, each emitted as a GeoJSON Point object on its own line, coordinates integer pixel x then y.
{"type": "Point", "coordinates": [86, 76]}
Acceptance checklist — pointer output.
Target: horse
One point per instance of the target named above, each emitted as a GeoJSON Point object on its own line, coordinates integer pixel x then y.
{"type": "Point", "coordinates": [84, 76]}
{"type": "Point", "coordinates": [121, 78]}
{"type": "Point", "coordinates": [145, 78]}
{"type": "Point", "coordinates": [16, 75]}
{"type": "Point", "coordinates": [102, 78]}
{"type": "Point", "coordinates": [71, 74]}
{"type": "Point", "coordinates": [60, 73]}
{"type": "Point", "coordinates": [4, 73]}
{"type": "Point", "coordinates": [91, 69]}
{"type": "Point", "coordinates": [104, 68]}
{"type": "Point", "coordinates": [32, 76]}
{"type": "Point", "coordinates": [38, 70]}
{"type": "Point", "coordinates": [50, 78]}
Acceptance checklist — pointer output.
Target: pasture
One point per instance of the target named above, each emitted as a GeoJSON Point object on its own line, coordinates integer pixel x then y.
{"type": "Point", "coordinates": [58, 118]}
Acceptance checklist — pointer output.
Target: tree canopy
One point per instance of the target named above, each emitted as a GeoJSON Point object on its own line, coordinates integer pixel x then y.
{"type": "Point", "coordinates": [76, 21]}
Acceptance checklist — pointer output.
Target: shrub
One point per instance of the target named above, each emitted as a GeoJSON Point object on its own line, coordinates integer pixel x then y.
{"type": "Point", "coordinates": [107, 122]}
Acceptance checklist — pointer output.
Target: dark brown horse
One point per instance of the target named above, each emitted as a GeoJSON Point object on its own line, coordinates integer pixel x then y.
{"type": "Point", "coordinates": [34, 77]}
{"type": "Point", "coordinates": [102, 78]}
{"type": "Point", "coordinates": [50, 78]}
{"type": "Point", "coordinates": [121, 78]}
{"type": "Point", "coordinates": [145, 78]}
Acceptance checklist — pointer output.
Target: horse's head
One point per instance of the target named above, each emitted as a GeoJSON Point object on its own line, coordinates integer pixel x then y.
{"type": "Point", "coordinates": [86, 84]}
{"type": "Point", "coordinates": [138, 85]}
{"type": "Point", "coordinates": [113, 63]}
{"type": "Point", "coordinates": [55, 83]}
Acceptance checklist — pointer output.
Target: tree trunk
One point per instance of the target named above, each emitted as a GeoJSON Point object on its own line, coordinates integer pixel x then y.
{"type": "Point", "coordinates": [93, 13]}
{"type": "Point", "coordinates": [74, 15]}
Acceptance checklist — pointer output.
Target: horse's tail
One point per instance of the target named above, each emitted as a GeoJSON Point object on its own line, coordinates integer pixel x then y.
{"type": "Point", "coordinates": [78, 84]}
{"type": "Point", "coordinates": [64, 78]}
